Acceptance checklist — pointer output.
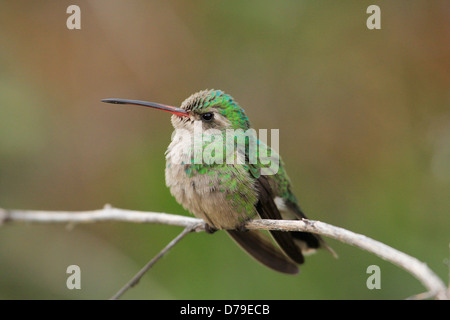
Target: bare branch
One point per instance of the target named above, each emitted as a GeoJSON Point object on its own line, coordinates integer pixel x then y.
{"type": "Point", "coordinates": [436, 288]}
{"type": "Point", "coordinates": [108, 213]}
{"type": "Point", "coordinates": [434, 285]}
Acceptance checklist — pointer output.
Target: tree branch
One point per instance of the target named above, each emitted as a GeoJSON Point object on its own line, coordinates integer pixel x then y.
{"type": "Point", "coordinates": [434, 285]}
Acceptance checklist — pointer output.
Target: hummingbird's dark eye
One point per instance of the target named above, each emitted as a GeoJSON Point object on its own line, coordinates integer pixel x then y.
{"type": "Point", "coordinates": [208, 116]}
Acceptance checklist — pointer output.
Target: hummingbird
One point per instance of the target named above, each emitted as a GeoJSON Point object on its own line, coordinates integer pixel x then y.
{"type": "Point", "coordinates": [227, 195]}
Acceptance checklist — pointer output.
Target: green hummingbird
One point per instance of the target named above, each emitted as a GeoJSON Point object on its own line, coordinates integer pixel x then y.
{"type": "Point", "coordinates": [227, 195]}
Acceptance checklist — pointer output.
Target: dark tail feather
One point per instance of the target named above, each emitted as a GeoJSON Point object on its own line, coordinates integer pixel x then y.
{"type": "Point", "coordinates": [261, 248]}
{"type": "Point", "coordinates": [313, 241]}
{"type": "Point", "coordinates": [267, 209]}
{"type": "Point", "coordinates": [286, 243]}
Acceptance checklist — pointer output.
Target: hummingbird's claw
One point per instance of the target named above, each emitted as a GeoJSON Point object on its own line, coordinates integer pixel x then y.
{"type": "Point", "coordinates": [209, 229]}
{"type": "Point", "coordinates": [242, 228]}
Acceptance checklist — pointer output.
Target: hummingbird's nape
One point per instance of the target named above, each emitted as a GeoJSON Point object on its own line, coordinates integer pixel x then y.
{"type": "Point", "coordinates": [227, 195]}
{"type": "Point", "coordinates": [177, 111]}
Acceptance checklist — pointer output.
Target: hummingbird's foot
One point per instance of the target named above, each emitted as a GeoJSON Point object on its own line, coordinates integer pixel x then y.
{"type": "Point", "coordinates": [209, 229]}
{"type": "Point", "coordinates": [242, 228]}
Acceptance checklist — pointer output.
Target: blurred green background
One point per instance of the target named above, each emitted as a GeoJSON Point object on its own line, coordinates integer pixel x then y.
{"type": "Point", "coordinates": [364, 123]}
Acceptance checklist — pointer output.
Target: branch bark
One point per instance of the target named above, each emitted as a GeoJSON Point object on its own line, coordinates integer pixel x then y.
{"type": "Point", "coordinates": [434, 285]}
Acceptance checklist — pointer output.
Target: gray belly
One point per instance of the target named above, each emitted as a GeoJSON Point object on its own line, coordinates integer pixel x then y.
{"type": "Point", "coordinates": [203, 195]}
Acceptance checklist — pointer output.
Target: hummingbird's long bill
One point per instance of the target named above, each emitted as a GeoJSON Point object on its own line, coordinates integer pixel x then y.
{"type": "Point", "coordinates": [177, 111]}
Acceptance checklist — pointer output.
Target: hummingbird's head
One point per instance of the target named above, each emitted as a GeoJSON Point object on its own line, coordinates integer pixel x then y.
{"type": "Point", "coordinates": [213, 108]}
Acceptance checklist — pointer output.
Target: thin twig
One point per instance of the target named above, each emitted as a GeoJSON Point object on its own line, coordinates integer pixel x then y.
{"type": "Point", "coordinates": [434, 285]}
{"type": "Point", "coordinates": [135, 280]}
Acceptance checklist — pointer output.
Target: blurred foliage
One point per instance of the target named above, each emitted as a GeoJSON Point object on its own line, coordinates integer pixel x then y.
{"type": "Point", "coordinates": [363, 115]}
